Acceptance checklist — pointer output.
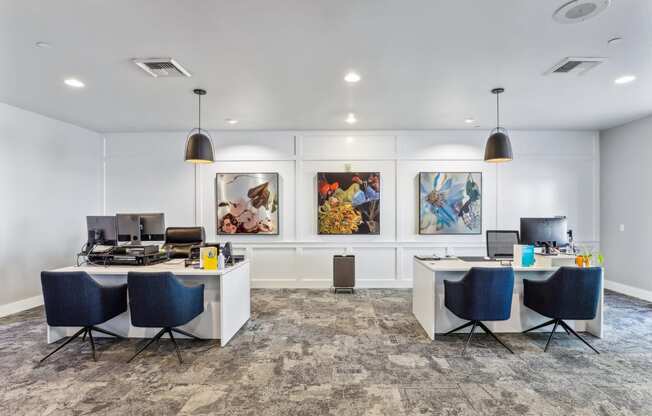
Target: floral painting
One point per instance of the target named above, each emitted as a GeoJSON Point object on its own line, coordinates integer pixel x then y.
{"type": "Point", "coordinates": [247, 203]}
{"type": "Point", "coordinates": [348, 203]}
{"type": "Point", "coordinates": [450, 203]}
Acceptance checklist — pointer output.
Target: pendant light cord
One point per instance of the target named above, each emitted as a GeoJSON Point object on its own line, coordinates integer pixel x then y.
{"type": "Point", "coordinates": [199, 124]}
{"type": "Point", "coordinates": [498, 111]}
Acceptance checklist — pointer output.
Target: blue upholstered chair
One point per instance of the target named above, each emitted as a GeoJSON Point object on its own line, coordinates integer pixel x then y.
{"type": "Point", "coordinates": [483, 294]}
{"type": "Point", "coordinates": [75, 299]}
{"type": "Point", "coordinates": [570, 293]}
{"type": "Point", "coordinates": [160, 300]}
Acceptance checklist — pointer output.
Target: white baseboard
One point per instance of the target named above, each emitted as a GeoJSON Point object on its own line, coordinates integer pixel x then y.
{"type": "Point", "coordinates": [628, 290]}
{"type": "Point", "coordinates": [327, 284]}
{"type": "Point", "coordinates": [21, 305]}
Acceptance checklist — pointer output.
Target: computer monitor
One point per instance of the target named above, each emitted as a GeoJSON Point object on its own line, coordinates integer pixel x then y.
{"type": "Point", "coordinates": [129, 228]}
{"type": "Point", "coordinates": [102, 229]}
{"type": "Point", "coordinates": [152, 227]}
{"type": "Point", "coordinates": [500, 244]}
{"type": "Point", "coordinates": [541, 232]}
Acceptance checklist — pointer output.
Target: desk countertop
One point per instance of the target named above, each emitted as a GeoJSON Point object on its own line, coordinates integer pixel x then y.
{"type": "Point", "coordinates": [457, 265]}
{"type": "Point", "coordinates": [173, 266]}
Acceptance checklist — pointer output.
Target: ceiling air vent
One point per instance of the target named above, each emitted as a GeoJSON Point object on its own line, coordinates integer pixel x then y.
{"type": "Point", "coordinates": [576, 66]}
{"type": "Point", "coordinates": [576, 11]}
{"type": "Point", "coordinates": [162, 67]}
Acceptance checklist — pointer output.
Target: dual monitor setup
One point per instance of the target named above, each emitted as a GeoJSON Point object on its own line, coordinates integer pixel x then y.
{"type": "Point", "coordinates": [110, 230]}
{"type": "Point", "coordinates": [128, 239]}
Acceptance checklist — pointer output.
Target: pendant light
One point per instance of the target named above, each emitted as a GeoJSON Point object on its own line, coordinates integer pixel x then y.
{"type": "Point", "coordinates": [199, 146]}
{"type": "Point", "coordinates": [498, 148]}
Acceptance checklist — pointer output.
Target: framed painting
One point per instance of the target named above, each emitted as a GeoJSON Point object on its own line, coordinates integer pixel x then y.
{"type": "Point", "coordinates": [450, 203]}
{"type": "Point", "coordinates": [247, 203]}
{"type": "Point", "coordinates": [348, 203]}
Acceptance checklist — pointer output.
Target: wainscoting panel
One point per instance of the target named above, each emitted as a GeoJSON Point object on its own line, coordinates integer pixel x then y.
{"type": "Point", "coordinates": [553, 173]}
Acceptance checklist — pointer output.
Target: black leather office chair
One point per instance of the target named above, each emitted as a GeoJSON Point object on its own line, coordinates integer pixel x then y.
{"type": "Point", "coordinates": [180, 240]}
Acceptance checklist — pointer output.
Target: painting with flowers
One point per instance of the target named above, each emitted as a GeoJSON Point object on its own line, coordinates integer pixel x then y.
{"type": "Point", "coordinates": [348, 202]}
{"type": "Point", "coordinates": [247, 203]}
{"type": "Point", "coordinates": [450, 203]}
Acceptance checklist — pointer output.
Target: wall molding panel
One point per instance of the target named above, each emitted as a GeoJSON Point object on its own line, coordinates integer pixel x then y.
{"type": "Point", "coordinates": [554, 173]}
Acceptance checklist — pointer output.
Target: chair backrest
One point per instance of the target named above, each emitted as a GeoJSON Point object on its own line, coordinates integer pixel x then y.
{"type": "Point", "coordinates": [185, 235]}
{"type": "Point", "coordinates": [489, 292]}
{"type": "Point", "coordinates": [156, 299]}
{"type": "Point", "coordinates": [576, 291]}
{"type": "Point", "coordinates": [500, 243]}
{"type": "Point", "coordinates": [70, 298]}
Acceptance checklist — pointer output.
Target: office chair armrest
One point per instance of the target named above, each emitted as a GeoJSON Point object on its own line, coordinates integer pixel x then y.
{"type": "Point", "coordinates": [535, 283]}
{"type": "Point", "coordinates": [454, 295]}
{"type": "Point", "coordinates": [191, 300]}
{"type": "Point", "coordinates": [114, 292]}
{"type": "Point", "coordinates": [114, 298]}
{"type": "Point", "coordinates": [540, 295]}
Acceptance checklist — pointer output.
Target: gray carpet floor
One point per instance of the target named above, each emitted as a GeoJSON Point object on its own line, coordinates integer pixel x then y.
{"type": "Point", "coordinates": [309, 352]}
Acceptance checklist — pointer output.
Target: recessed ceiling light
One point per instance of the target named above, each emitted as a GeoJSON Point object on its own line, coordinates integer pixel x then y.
{"type": "Point", "coordinates": [469, 120]}
{"type": "Point", "coordinates": [349, 139]}
{"type": "Point", "coordinates": [625, 79]}
{"type": "Point", "coordinates": [351, 119]}
{"type": "Point", "coordinates": [352, 77]}
{"type": "Point", "coordinates": [615, 41]}
{"type": "Point", "coordinates": [43, 45]}
{"type": "Point", "coordinates": [75, 83]}
{"type": "Point", "coordinates": [231, 121]}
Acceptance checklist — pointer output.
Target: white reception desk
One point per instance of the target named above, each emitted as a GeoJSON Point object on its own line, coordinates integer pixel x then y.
{"type": "Point", "coordinates": [428, 298]}
{"type": "Point", "coordinates": [227, 300]}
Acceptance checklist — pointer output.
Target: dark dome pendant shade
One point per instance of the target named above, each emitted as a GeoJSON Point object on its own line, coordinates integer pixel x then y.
{"type": "Point", "coordinates": [498, 148]}
{"type": "Point", "coordinates": [199, 146]}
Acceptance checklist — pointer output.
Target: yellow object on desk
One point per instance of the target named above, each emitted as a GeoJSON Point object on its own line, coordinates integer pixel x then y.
{"type": "Point", "coordinates": [208, 258]}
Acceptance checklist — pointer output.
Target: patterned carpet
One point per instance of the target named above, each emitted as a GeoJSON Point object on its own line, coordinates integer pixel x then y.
{"type": "Point", "coordinates": [309, 352]}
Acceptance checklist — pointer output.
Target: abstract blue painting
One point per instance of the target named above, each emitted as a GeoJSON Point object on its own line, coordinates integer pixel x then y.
{"type": "Point", "coordinates": [450, 203]}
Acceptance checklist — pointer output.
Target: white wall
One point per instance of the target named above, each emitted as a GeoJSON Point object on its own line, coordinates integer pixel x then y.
{"type": "Point", "coordinates": [554, 173]}
{"type": "Point", "coordinates": [50, 177]}
{"type": "Point", "coordinates": [626, 198]}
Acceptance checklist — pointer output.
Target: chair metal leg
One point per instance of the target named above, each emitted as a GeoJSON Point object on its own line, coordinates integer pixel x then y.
{"type": "Point", "coordinates": [84, 334]}
{"type": "Point", "coordinates": [485, 329]}
{"type": "Point", "coordinates": [468, 339]}
{"type": "Point", "coordinates": [568, 328]}
{"type": "Point", "coordinates": [551, 334]}
{"type": "Point", "coordinates": [552, 321]}
{"type": "Point", "coordinates": [176, 346]}
{"type": "Point", "coordinates": [64, 344]}
{"type": "Point", "coordinates": [104, 331]}
{"type": "Point", "coordinates": [156, 337]}
{"type": "Point", "coordinates": [90, 337]}
{"type": "Point", "coordinates": [459, 327]}
{"type": "Point", "coordinates": [182, 332]}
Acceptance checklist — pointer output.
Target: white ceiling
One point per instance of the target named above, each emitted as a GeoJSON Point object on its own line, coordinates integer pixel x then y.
{"type": "Point", "coordinates": [279, 64]}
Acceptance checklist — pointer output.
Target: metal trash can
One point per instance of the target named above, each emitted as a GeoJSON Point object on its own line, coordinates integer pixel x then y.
{"type": "Point", "coordinates": [343, 273]}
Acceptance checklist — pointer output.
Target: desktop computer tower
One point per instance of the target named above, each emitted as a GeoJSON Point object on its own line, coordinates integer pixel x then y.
{"type": "Point", "coordinates": [344, 272]}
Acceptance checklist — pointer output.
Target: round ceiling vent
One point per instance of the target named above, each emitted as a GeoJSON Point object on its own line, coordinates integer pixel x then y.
{"type": "Point", "coordinates": [576, 11]}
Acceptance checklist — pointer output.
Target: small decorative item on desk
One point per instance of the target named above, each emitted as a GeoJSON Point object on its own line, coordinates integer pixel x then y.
{"type": "Point", "coordinates": [585, 260]}
{"type": "Point", "coordinates": [208, 258]}
{"type": "Point", "coordinates": [523, 255]}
